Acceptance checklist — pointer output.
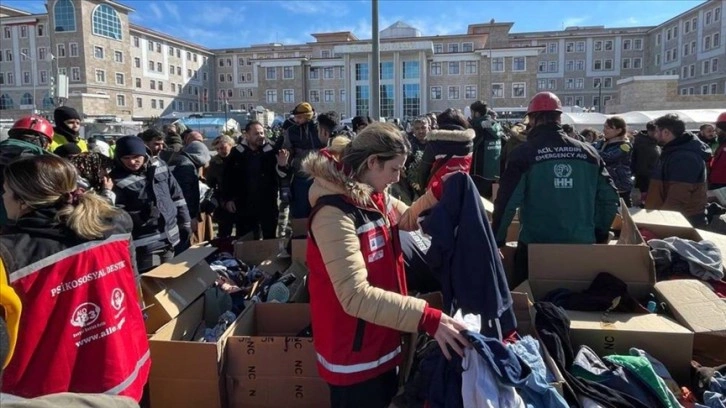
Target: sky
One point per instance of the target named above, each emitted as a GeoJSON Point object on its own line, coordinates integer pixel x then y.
{"type": "Point", "coordinates": [232, 23]}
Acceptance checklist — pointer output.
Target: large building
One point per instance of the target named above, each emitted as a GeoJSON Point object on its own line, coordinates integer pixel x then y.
{"type": "Point", "coordinates": [120, 69]}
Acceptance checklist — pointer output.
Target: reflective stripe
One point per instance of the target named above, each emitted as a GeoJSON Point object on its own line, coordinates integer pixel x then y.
{"type": "Point", "coordinates": [444, 156]}
{"type": "Point", "coordinates": [66, 253]}
{"type": "Point", "coordinates": [132, 377]}
{"type": "Point", "coordinates": [356, 368]}
{"type": "Point", "coordinates": [181, 202]}
{"type": "Point", "coordinates": [149, 240]}
{"type": "Point", "coordinates": [370, 226]}
{"type": "Point", "coordinates": [129, 180]}
{"type": "Point", "coordinates": [173, 232]}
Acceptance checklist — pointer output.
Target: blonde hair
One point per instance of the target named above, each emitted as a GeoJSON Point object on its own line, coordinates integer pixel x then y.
{"type": "Point", "coordinates": [223, 139]}
{"type": "Point", "coordinates": [383, 140]}
{"type": "Point", "coordinates": [49, 181]}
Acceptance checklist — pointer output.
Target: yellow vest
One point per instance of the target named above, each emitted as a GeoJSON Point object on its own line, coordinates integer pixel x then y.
{"type": "Point", "coordinates": [59, 140]}
{"type": "Point", "coordinates": [10, 303]}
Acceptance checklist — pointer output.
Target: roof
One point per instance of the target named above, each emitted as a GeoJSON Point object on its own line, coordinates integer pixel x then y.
{"type": "Point", "coordinates": [192, 122]}
{"type": "Point", "coordinates": [691, 117]}
{"type": "Point", "coordinates": [146, 30]}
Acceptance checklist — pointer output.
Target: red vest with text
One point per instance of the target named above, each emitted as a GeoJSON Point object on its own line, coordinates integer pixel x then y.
{"type": "Point", "coordinates": [81, 329]}
{"type": "Point", "coordinates": [351, 350]}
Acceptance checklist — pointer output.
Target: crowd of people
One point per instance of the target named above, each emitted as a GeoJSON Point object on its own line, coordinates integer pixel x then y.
{"type": "Point", "coordinates": [69, 209]}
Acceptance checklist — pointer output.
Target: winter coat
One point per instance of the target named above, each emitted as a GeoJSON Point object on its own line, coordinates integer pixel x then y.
{"type": "Point", "coordinates": [717, 175]}
{"type": "Point", "coordinates": [447, 151]}
{"type": "Point", "coordinates": [464, 255]}
{"type": "Point", "coordinates": [185, 172]}
{"type": "Point", "coordinates": [616, 155]}
{"type": "Point", "coordinates": [300, 140]}
{"type": "Point", "coordinates": [678, 182]}
{"type": "Point", "coordinates": [155, 202]}
{"type": "Point", "coordinates": [642, 160]}
{"type": "Point", "coordinates": [487, 147]}
{"type": "Point", "coordinates": [357, 282]}
{"type": "Point", "coordinates": [561, 187]}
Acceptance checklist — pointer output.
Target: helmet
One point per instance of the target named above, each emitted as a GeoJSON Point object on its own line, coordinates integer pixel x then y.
{"type": "Point", "coordinates": [34, 124]}
{"type": "Point", "coordinates": [10, 304]}
{"type": "Point", "coordinates": [544, 102]}
{"type": "Point", "coordinates": [721, 118]}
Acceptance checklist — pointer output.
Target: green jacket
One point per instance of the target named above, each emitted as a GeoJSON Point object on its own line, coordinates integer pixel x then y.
{"type": "Point", "coordinates": [11, 149]}
{"type": "Point", "coordinates": [562, 189]}
{"type": "Point", "coordinates": [487, 147]}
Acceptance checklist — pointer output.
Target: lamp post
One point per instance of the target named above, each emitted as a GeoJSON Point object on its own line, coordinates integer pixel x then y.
{"type": "Point", "coordinates": [32, 79]}
{"type": "Point", "coordinates": [599, 97]}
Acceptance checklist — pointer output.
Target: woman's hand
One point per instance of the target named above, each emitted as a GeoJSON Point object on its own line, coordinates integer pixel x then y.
{"type": "Point", "coordinates": [448, 334]}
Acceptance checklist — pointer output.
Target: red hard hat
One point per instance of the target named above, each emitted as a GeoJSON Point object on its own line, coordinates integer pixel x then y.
{"type": "Point", "coordinates": [33, 124]}
{"type": "Point", "coordinates": [721, 118]}
{"type": "Point", "coordinates": [544, 102]}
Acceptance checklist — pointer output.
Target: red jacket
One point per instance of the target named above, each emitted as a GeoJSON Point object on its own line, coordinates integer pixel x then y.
{"type": "Point", "coordinates": [81, 329]}
{"type": "Point", "coordinates": [718, 165]}
{"type": "Point", "coordinates": [351, 350]}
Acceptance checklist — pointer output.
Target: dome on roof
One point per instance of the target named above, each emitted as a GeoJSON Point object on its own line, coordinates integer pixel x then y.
{"type": "Point", "coordinates": [399, 29]}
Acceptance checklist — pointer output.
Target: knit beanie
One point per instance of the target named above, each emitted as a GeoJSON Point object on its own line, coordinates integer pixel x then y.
{"type": "Point", "coordinates": [302, 108]}
{"type": "Point", "coordinates": [198, 153]}
{"type": "Point", "coordinates": [67, 150]}
{"type": "Point", "coordinates": [130, 146]}
{"type": "Point", "coordinates": [62, 114]}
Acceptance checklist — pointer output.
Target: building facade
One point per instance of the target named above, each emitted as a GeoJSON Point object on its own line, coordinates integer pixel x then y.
{"type": "Point", "coordinates": [115, 68]}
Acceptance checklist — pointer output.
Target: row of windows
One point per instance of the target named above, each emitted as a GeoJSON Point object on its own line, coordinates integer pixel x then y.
{"type": "Point", "coordinates": [9, 78]}
{"type": "Point", "coordinates": [454, 47]}
{"type": "Point", "coordinates": [573, 83]}
{"type": "Point", "coordinates": [711, 16]}
{"type": "Point", "coordinates": [454, 92]}
{"type": "Point", "coordinates": [6, 102]}
{"type": "Point", "coordinates": [240, 61]}
{"type": "Point", "coordinates": [329, 72]}
{"type": "Point", "coordinates": [288, 96]}
{"type": "Point", "coordinates": [454, 68]}
{"type": "Point", "coordinates": [710, 89]}
{"type": "Point", "coordinates": [707, 67]}
{"type": "Point", "coordinates": [156, 46]}
{"type": "Point", "coordinates": [72, 50]}
{"type": "Point", "coordinates": [159, 67]}
{"type": "Point", "coordinates": [100, 53]}
{"type": "Point", "coordinates": [328, 95]}
{"type": "Point", "coordinates": [24, 29]}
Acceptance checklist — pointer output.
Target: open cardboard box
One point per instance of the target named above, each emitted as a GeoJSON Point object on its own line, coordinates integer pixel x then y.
{"type": "Point", "coordinates": [184, 372]}
{"type": "Point", "coordinates": [263, 254]}
{"type": "Point", "coordinates": [268, 365]}
{"type": "Point", "coordinates": [512, 230]}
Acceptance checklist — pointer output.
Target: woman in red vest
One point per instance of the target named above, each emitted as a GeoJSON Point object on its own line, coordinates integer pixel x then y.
{"type": "Point", "coordinates": [68, 257]}
{"type": "Point", "coordinates": [358, 296]}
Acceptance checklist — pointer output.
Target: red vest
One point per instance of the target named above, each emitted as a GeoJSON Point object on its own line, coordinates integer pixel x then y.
{"type": "Point", "coordinates": [445, 165]}
{"type": "Point", "coordinates": [351, 350]}
{"type": "Point", "coordinates": [718, 165]}
{"type": "Point", "coordinates": [81, 328]}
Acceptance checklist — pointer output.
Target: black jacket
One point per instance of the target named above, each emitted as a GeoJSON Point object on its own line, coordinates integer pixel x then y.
{"type": "Point", "coordinates": [185, 173]}
{"type": "Point", "coordinates": [643, 159]}
{"type": "Point", "coordinates": [465, 256]}
{"type": "Point", "coordinates": [235, 183]}
{"type": "Point", "coordinates": [300, 141]}
{"type": "Point", "coordinates": [38, 235]}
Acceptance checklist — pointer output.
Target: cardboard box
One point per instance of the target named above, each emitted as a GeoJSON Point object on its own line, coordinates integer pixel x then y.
{"type": "Point", "coordinates": [299, 227]}
{"type": "Point", "coordinates": [298, 249]}
{"type": "Point", "coordinates": [616, 333]}
{"type": "Point", "coordinates": [171, 287]}
{"type": "Point", "coordinates": [185, 372]}
{"type": "Point", "coordinates": [268, 366]}
{"type": "Point", "coordinates": [664, 224]}
{"type": "Point", "coordinates": [554, 266]}
{"type": "Point", "coordinates": [263, 254]}
{"type": "Point", "coordinates": [695, 306]}
{"type": "Point", "coordinates": [508, 262]}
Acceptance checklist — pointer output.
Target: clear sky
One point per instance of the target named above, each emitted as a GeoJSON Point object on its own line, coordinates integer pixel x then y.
{"type": "Point", "coordinates": [231, 23]}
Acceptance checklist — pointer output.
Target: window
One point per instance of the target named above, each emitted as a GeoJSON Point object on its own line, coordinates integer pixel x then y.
{"type": "Point", "coordinates": [687, 27]}
{"type": "Point", "coordinates": [707, 43]}
{"type": "Point", "coordinates": [328, 73]}
{"type": "Point", "coordinates": [171, 70]}
{"type": "Point", "coordinates": [470, 92]}
{"type": "Point", "coordinates": [580, 46]}
{"type": "Point", "coordinates": [570, 47]}
{"type": "Point", "coordinates": [152, 84]}
{"type": "Point", "coordinates": [151, 65]}
{"type": "Point", "coordinates": [435, 69]}
{"type": "Point", "coordinates": [668, 34]}
{"type": "Point", "coordinates": [626, 63]}
{"type": "Point", "coordinates": [570, 83]}
{"type": "Point", "coordinates": [65, 16]}
{"type": "Point", "coordinates": [597, 66]}
{"type": "Point", "coordinates": [608, 45]}
{"type": "Point", "coordinates": [288, 95]}
{"type": "Point", "coordinates": [189, 56]}
{"type": "Point", "coordinates": [138, 82]}
{"type": "Point", "coordinates": [552, 84]}
{"type": "Point", "coordinates": [362, 99]}
{"type": "Point", "coordinates": [329, 95]}
{"type": "Point", "coordinates": [98, 52]}
{"type": "Point", "coordinates": [454, 47]}
{"type": "Point", "coordinates": [120, 100]}
{"type": "Point", "coordinates": [106, 22]}
{"type": "Point", "coordinates": [714, 65]}
{"type": "Point", "coordinates": [598, 45]}
{"type": "Point", "coordinates": [410, 70]}
{"type": "Point", "coordinates": [519, 64]}
{"type": "Point", "coordinates": [709, 16]}
{"type": "Point", "coordinates": [171, 50]}
{"type": "Point", "coordinates": [714, 88]}
{"type": "Point", "coordinates": [342, 95]}
{"type": "Point", "coordinates": [411, 100]}
{"type": "Point", "coordinates": [75, 74]}
{"type": "Point", "coordinates": [271, 73]}
{"type": "Point", "coordinates": [467, 47]}
{"type": "Point", "coordinates": [608, 82]}
{"type": "Point", "coordinates": [26, 99]}
{"type": "Point", "coordinates": [153, 104]}
{"type": "Point", "coordinates": [221, 77]}
{"type": "Point", "coordinates": [11, 78]}
{"type": "Point", "coordinates": [160, 85]}
{"type": "Point", "coordinates": [73, 49]}
{"type": "Point", "coordinates": [386, 95]}
{"type": "Point", "coordinates": [100, 76]}
{"type": "Point", "coordinates": [8, 55]}
{"type": "Point", "coordinates": [542, 66]}
{"type": "Point", "coordinates": [453, 92]}
{"type": "Point", "coordinates": [657, 59]}
{"type": "Point", "coordinates": [553, 66]}
{"type": "Point", "coordinates": [158, 49]}
{"type": "Point", "coordinates": [189, 73]}
{"type": "Point", "coordinates": [314, 73]}
{"type": "Point", "coordinates": [41, 53]}
{"type": "Point", "coordinates": [139, 103]}
{"type": "Point", "coordinates": [2, 78]}
{"type": "Point", "coordinates": [314, 95]}
{"type": "Point", "coordinates": [675, 32]}
{"type": "Point", "coordinates": [704, 89]}
{"type": "Point", "coordinates": [178, 70]}
{"type": "Point", "coordinates": [498, 90]}
{"type": "Point", "coordinates": [435, 92]}
{"type": "Point", "coordinates": [287, 73]}
{"type": "Point", "coordinates": [159, 67]}
{"type": "Point", "coordinates": [552, 48]}
{"type": "Point", "coordinates": [118, 56]}
{"type": "Point", "coordinates": [684, 72]}
{"type": "Point", "coordinates": [229, 61]}
{"type": "Point", "coordinates": [6, 102]}
{"type": "Point", "coordinates": [638, 44]}
{"type": "Point", "coordinates": [692, 70]}
{"type": "Point", "coordinates": [324, 53]}
{"type": "Point", "coordinates": [23, 31]}
{"type": "Point", "coordinates": [40, 30]}
{"type": "Point", "coordinates": [178, 55]}
{"type": "Point", "coordinates": [686, 46]}
{"type": "Point", "coordinates": [471, 68]}
{"type": "Point", "coordinates": [657, 39]}
{"type": "Point", "coordinates": [541, 83]}
{"type": "Point", "coordinates": [454, 68]}
{"type": "Point", "coordinates": [173, 86]}
{"type": "Point", "coordinates": [438, 48]}
{"type": "Point", "coordinates": [498, 64]}
{"type": "Point", "coordinates": [361, 73]}
{"type": "Point", "coordinates": [519, 90]}
{"type": "Point", "coordinates": [137, 62]}
{"type": "Point", "coordinates": [24, 54]}
{"type": "Point", "coordinates": [608, 65]}
{"type": "Point", "coordinates": [7, 32]}
{"type": "Point", "coordinates": [150, 45]}
{"type": "Point", "coordinates": [717, 17]}
{"type": "Point", "coordinates": [221, 62]}
{"type": "Point", "coordinates": [136, 41]}
{"type": "Point", "coordinates": [44, 77]}
{"type": "Point", "coordinates": [119, 79]}
{"type": "Point", "coordinates": [579, 83]}
{"type": "Point", "coordinates": [716, 40]}
{"type": "Point", "coordinates": [570, 65]}
{"type": "Point", "coordinates": [229, 93]}
{"type": "Point", "coordinates": [684, 91]}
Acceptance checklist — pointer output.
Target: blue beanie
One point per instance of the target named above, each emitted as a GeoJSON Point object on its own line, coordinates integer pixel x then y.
{"type": "Point", "coordinates": [130, 146]}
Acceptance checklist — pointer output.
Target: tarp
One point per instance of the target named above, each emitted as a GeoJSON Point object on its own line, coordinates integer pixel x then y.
{"type": "Point", "coordinates": [636, 120]}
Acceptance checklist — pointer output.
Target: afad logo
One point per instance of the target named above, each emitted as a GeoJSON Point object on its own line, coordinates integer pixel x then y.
{"type": "Point", "coordinates": [85, 314]}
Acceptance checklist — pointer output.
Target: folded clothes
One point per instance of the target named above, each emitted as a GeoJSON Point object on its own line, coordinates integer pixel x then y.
{"type": "Point", "coordinates": [704, 258]}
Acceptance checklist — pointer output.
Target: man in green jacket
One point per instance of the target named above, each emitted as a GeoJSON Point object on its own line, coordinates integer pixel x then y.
{"type": "Point", "coordinates": [560, 185]}
{"type": "Point", "coordinates": [29, 136]}
{"type": "Point", "coordinates": [485, 163]}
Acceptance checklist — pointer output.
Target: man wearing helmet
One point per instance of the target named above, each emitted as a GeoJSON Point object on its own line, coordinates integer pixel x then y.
{"type": "Point", "coordinates": [559, 184]}
{"type": "Point", "coordinates": [717, 175]}
{"type": "Point", "coordinates": [29, 136]}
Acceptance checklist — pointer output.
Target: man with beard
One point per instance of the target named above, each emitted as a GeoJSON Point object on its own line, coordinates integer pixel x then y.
{"type": "Point", "coordinates": [251, 182]}
{"type": "Point", "coordinates": [67, 127]}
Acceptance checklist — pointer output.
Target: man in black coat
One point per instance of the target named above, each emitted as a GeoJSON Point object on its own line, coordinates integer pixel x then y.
{"type": "Point", "coordinates": [251, 183]}
{"type": "Point", "coordinates": [644, 157]}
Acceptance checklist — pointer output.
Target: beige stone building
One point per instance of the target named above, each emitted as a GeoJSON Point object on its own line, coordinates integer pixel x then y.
{"type": "Point", "coordinates": [115, 68]}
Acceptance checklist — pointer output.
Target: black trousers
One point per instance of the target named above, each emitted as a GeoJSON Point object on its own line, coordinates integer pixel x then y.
{"type": "Point", "coordinates": [521, 264]}
{"type": "Point", "coordinates": [261, 226]}
{"type": "Point", "coordinates": [148, 261]}
{"type": "Point", "coordinates": [375, 393]}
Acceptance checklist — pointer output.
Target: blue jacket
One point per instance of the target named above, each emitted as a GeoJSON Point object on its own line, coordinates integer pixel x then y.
{"type": "Point", "coordinates": [616, 156]}
{"type": "Point", "coordinates": [155, 202]}
{"type": "Point", "coordinates": [464, 254]}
